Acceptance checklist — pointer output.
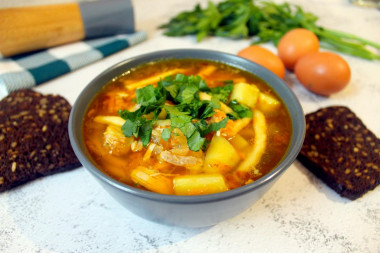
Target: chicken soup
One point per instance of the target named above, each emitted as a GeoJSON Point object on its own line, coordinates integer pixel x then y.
{"type": "Point", "coordinates": [186, 127]}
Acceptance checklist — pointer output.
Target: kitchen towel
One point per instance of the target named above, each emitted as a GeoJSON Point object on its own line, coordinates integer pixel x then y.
{"type": "Point", "coordinates": [28, 70]}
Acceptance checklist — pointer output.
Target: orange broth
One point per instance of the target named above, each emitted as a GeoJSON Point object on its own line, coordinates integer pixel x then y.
{"type": "Point", "coordinates": [116, 95]}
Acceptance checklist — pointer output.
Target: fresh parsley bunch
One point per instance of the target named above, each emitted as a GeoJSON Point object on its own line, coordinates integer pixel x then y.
{"type": "Point", "coordinates": [186, 111]}
{"type": "Point", "coordinates": [267, 21]}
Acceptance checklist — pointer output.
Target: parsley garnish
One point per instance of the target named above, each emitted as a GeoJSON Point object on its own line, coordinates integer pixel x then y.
{"type": "Point", "coordinates": [188, 113]}
{"type": "Point", "coordinates": [222, 93]}
{"type": "Point", "coordinates": [166, 134]}
{"type": "Point", "coordinates": [240, 111]}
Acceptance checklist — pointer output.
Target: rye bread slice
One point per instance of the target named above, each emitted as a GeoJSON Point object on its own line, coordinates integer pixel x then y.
{"type": "Point", "coordinates": [34, 139]}
{"type": "Point", "coordinates": [341, 151]}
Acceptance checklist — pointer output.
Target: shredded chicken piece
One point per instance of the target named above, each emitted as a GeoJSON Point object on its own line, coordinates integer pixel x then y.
{"type": "Point", "coordinates": [178, 142]}
{"type": "Point", "coordinates": [136, 145]}
{"type": "Point", "coordinates": [116, 142]}
{"type": "Point", "coordinates": [180, 151]}
{"type": "Point", "coordinates": [178, 160]}
{"type": "Point", "coordinates": [156, 135]}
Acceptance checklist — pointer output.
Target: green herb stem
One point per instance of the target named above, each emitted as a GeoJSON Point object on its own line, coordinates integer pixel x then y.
{"type": "Point", "coordinates": [353, 37]}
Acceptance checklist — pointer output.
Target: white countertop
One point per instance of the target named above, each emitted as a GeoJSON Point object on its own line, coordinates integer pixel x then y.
{"type": "Point", "coordinates": [70, 212]}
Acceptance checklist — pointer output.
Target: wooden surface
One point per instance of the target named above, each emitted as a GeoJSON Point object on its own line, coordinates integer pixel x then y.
{"type": "Point", "coordinates": [25, 29]}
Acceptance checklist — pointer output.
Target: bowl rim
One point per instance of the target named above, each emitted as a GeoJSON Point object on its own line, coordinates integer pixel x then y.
{"type": "Point", "coordinates": [202, 54]}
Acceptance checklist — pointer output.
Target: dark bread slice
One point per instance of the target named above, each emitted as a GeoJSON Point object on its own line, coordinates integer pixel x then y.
{"type": "Point", "coordinates": [34, 139]}
{"type": "Point", "coordinates": [341, 151]}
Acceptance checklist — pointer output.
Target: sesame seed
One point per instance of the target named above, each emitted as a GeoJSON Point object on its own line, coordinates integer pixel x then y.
{"type": "Point", "coordinates": [14, 164]}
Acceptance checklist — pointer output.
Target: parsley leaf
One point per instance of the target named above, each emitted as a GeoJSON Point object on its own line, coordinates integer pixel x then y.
{"type": "Point", "coordinates": [188, 129]}
{"type": "Point", "coordinates": [187, 93]}
{"type": "Point", "coordinates": [195, 142]}
{"type": "Point", "coordinates": [146, 95]}
{"type": "Point", "coordinates": [240, 111]}
{"type": "Point", "coordinates": [205, 145]}
{"type": "Point", "coordinates": [203, 86]}
{"type": "Point", "coordinates": [216, 126]}
{"type": "Point", "coordinates": [129, 128]}
{"type": "Point", "coordinates": [208, 106]}
{"type": "Point", "coordinates": [166, 132]}
{"type": "Point", "coordinates": [178, 118]}
{"type": "Point", "coordinates": [171, 88]}
{"type": "Point", "coordinates": [223, 92]}
{"type": "Point", "coordinates": [145, 131]}
{"type": "Point", "coordinates": [205, 128]}
{"type": "Point", "coordinates": [131, 125]}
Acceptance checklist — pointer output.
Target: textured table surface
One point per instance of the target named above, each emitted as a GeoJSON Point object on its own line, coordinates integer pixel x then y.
{"type": "Point", "coordinates": [70, 212]}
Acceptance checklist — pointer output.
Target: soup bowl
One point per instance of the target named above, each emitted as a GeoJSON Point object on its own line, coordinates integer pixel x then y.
{"type": "Point", "coordinates": [188, 211]}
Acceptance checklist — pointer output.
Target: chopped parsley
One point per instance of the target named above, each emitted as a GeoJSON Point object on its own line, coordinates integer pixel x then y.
{"type": "Point", "coordinates": [186, 111]}
{"type": "Point", "coordinates": [222, 93]}
{"type": "Point", "coordinates": [239, 110]}
{"type": "Point", "coordinates": [166, 134]}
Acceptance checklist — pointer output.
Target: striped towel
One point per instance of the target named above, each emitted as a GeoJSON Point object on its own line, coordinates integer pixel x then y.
{"type": "Point", "coordinates": [28, 70]}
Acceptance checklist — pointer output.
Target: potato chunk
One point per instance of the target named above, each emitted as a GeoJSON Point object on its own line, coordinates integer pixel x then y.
{"type": "Point", "coordinates": [199, 184]}
{"type": "Point", "coordinates": [239, 143]}
{"type": "Point", "coordinates": [221, 156]}
{"type": "Point", "coordinates": [246, 94]}
{"type": "Point", "coordinates": [268, 104]}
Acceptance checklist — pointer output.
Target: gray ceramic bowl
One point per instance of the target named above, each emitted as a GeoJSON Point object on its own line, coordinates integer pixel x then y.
{"type": "Point", "coordinates": [190, 211]}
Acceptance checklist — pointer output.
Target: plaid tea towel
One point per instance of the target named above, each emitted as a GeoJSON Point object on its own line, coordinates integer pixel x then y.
{"type": "Point", "coordinates": [28, 70]}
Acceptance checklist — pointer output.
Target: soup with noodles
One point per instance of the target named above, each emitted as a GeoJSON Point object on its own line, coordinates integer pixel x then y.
{"type": "Point", "coordinates": [186, 127]}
